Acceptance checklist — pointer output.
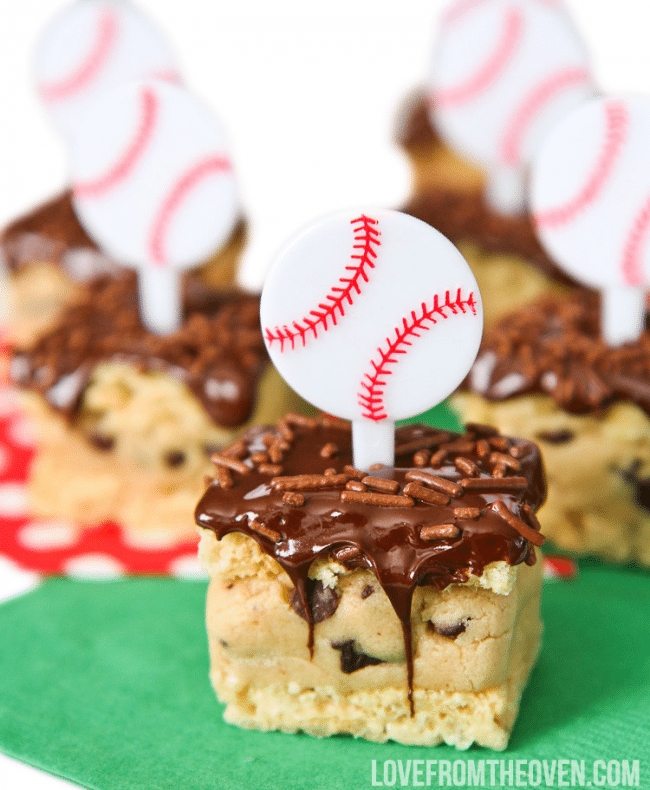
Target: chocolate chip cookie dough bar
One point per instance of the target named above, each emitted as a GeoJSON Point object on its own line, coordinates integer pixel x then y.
{"type": "Point", "coordinates": [399, 604]}
{"type": "Point", "coordinates": [547, 374]}
{"type": "Point", "coordinates": [127, 420]}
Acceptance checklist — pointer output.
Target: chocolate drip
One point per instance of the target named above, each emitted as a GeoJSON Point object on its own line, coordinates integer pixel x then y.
{"type": "Point", "coordinates": [554, 347]}
{"type": "Point", "coordinates": [218, 352]}
{"type": "Point", "coordinates": [386, 540]}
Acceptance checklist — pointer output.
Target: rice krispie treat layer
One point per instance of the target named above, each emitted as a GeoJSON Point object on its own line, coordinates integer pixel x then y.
{"type": "Point", "coordinates": [49, 256]}
{"type": "Point", "coordinates": [366, 560]}
{"type": "Point", "coordinates": [547, 374]}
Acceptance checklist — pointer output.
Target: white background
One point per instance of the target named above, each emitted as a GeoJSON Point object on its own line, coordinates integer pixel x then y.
{"type": "Point", "coordinates": [308, 91]}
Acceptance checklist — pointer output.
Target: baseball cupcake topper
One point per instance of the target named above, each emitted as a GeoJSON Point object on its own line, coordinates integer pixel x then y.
{"type": "Point", "coordinates": [92, 47]}
{"type": "Point", "coordinates": [591, 203]}
{"type": "Point", "coordinates": [153, 185]}
{"type": "Point", "coordinates": [372, 316]}
{"type": "Point", "coordinates": [504, 71]}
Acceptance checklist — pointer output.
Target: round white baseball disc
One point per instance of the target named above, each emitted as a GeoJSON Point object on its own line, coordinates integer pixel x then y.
{"type": "Point", "coordinates": [92, 47]}
{"type": "Point", "coordinates": [371, 315]}
{"type": "Point", "coordinates": [152, 180]}
{"type": "Point", "coordinates": [590, 192]}
{"type": "Point", "coordinates": [504, 71]}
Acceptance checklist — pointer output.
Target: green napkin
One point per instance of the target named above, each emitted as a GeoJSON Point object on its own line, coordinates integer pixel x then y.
{"type": "Point", "coordinates": [106, 684]}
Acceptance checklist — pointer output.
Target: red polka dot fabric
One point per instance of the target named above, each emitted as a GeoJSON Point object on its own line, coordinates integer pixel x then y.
{"type": "Point", "coordinates": [58, 547]}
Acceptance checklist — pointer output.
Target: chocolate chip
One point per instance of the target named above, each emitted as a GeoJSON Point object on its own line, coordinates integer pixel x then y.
{"type": "Point", "coordinates": [352, 659]}
{"type": "Point", "coordinates": [175, 458]}
{"type": "Point", "coordinates": [223, 643]}
{"type": "Point", "coordinates": [323, 602]}
{"type": "Point", "coordinates": [556, 437]}
{"type": "Point", "coordinates": [640, 485]}
{"type": "Point", "coordinates": [448, 631]}
{"type": "Point", "coordinates": [101, 442]}
{"type": "Point", "coordinates": [367, 591]}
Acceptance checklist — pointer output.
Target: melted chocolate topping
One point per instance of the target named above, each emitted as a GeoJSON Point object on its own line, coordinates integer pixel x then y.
{"type": "Point", "coordinates": [306, 511]}
{"type": "Point", "coordinates": [51, 233]}
{"type": "Point", "coordinates": [218, 352]}
{"type": "Point", "coordinates": [554, 347]}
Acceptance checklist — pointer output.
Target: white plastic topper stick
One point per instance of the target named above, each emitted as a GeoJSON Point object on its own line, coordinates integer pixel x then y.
{"type": "Point", "coordinates": [153, 185]}
{"type": "Point", "coordinates": [504, 72]}
{"type": "Point", "coordinates": [373, 316]}
{"type": "Point", "coordinates": [591, 202]}
{"type": "Point", "coordinates": [92, 47]}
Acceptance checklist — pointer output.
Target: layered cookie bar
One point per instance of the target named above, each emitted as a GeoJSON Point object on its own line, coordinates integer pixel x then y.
{"type": "Point", "coordinates": [546, 373]}
{"type": "Point", "coordinates": [508, 261]}
{"type": "Point", "coordinates": [400, 604]}
{"type": "Point", "coordinates": [127, 420]}
{"type": "Point", "coordinates": [49, 256]}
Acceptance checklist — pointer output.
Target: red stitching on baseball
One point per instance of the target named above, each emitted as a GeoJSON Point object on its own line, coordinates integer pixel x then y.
{"type": "Point", "coordinates": [165, 75]}
{"type": "Point", "coordinates": [493, 66]}
{"type": "Point", "coordinates": [632, 265]}
{"type": "Point", "coordinates": [617, 122]}
{"type": "Point", "coordinates": [333, 307]}
{"type": "Point", "coordinates": [90, 66]}
{"type": "Point", "coordinates": [206, 167]}
{"type": "Point", "coordinates": [126, 163]}
{"type": "Point", "coordinates": [371, 395]}
{"type": "Point", "coordinates": [533, 103]}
